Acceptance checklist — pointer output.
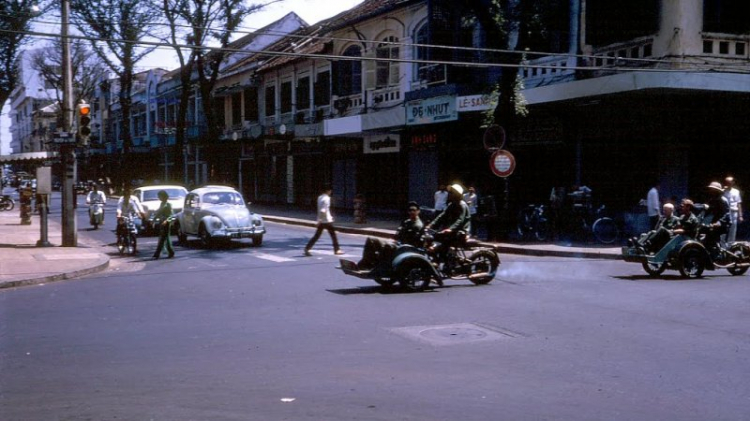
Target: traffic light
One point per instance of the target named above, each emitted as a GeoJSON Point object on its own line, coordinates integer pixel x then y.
{"type": "Point", "coordinates": [84, 123]}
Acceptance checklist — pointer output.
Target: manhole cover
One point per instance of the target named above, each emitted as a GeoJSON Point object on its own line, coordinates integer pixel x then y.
{"type": "Point", "coordinates": [452, 334]}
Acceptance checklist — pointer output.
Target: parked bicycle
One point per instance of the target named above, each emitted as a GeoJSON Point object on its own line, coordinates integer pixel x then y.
{"type": "Point", "coordinates": [588, 222]}
{"type": "Point", "coordinates": [533, 223]}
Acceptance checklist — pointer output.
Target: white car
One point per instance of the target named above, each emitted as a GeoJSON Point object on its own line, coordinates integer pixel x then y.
{"type": "Point", "coordinates": [149, 197]}
{"type": "Point", "coordinates": [218, 212]}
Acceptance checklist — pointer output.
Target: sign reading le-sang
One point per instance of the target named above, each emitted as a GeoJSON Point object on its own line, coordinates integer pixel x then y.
{"type": "Point", "coordinates": [431, 110]}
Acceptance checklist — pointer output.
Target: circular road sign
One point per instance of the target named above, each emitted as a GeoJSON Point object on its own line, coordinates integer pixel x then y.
{"type": "Point", "coordinates": [494, 138]}
{"type": "Point", "coordinates": [502, 163]}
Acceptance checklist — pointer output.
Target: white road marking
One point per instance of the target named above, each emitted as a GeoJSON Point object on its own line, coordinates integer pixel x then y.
{"type": "Point", "coordinates": [272, 257]}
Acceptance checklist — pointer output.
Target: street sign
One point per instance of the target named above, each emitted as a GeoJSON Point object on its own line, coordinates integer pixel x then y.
{"type": "Point", "coordinates": [502, 163]}
{"type": "Point", "coordinates": [63, 140]}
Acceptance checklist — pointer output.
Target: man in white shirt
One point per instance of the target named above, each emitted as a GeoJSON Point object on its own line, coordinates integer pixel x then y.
{"type": "Point", "coordinates": [441, 199]}
{"type": "Point", "coordinates": [325, 221]}
{"type": "Point", "coordinates": [735, 207]}
{"type": "Point", "coordinates": [653, 206]}
{"type": "Point", "coordinates": [134, 205]}
{"type": "Point", "coordinates": [471, 200]}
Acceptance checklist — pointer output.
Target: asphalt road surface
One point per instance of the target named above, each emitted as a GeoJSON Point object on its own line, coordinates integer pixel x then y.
{"type": "Point", "coordinates": [264, 333]}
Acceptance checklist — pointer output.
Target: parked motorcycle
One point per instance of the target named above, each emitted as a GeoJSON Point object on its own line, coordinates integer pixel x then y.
{"type": "Point", "coordinates": [96, 213]}
{"type": "Point", "coordinates": [127, 232]}
{"type": "Point", "coordinates": [6, 203]}
{"type": "Point", "coordinates": [414, 268]}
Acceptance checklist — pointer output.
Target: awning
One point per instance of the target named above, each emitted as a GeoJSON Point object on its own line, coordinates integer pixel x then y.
{"type": "Point", "coordinates": [27, 157]}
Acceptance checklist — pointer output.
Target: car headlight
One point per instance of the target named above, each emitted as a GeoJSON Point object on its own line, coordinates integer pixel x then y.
{"type": "Point", "coordinates": [216, 223]}
{"type": "Point", "coordinates": [257, 222]}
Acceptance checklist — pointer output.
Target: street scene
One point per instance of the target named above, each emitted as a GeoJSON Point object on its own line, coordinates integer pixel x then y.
{"type": "Point", "coordinates": [243, 332]}
{"type": "Point", "coordinates": [424, 210]}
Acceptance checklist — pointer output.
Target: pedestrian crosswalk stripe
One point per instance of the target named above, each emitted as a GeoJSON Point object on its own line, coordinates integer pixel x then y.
{"type": "Point", "coordinates": [272, 257]}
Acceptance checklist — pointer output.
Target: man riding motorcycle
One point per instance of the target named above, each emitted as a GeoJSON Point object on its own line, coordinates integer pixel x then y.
{"type": "Point", "coordinates": [454, 223]}
{"type": "Point", "coordinates": [718, 210]}
{"type": "Point", "coordinates": [94, 199]}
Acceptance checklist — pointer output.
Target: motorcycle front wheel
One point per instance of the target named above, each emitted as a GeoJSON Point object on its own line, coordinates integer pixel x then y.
{"type": "Point", "coordinates": [742, 253]}
{"type": "Point", "coordinates": [8, 205]}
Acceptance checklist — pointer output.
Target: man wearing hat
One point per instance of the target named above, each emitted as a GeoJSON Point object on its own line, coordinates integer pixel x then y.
{"type": "Point", "coordinates": [454, 222]}
{"type": "Point", "coordinates": [718, 211]}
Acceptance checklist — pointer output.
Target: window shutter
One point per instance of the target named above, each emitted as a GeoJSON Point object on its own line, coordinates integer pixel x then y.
{"type": "Point", "coordinates": [335, 72]}
{"type": "Point", "coordinates": [370, 69]}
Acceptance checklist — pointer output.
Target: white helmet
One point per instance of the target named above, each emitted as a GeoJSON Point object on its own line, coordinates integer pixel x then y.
{"type": "Point", "coordinates": [457, 188]}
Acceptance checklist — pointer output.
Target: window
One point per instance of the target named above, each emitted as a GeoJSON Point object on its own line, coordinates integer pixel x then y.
{"type": "Point", "coordinates": [251, 104]}
{"type": "Point", "coordinates": [350, 72]}
{"type": "Point", "coordinates": [236, 108]}
{"type": "Point", "coordinates": [270, 101]}
{"type": "Point", "coordinates": [303, 93]}
{"type": "Point", "coordinates": [387, 71]}
{"type": "Point", "coordinates": [322, 89]}
{"type": "Point", "coordinates": [286, 97]}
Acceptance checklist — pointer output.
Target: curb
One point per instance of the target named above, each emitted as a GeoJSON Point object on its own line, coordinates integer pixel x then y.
{"type": "Point", "coordinates": [102, 265]}
{"type": "Point", "coordinates": [501, 248]}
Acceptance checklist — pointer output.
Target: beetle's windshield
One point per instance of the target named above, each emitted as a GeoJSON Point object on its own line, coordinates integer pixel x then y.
{"type": "Point", "coordinates": [222, 198]}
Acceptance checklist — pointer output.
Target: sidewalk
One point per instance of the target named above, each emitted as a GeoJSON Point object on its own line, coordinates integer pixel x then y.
{"type": "Point", "coordinates": [23, 263]}
{"type": "Point", "coordinates": [385, 225]}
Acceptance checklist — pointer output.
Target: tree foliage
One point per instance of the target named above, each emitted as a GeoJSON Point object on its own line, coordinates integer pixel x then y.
{"type": "Point", "coordinates": [207, 23]}
{"type": "Point", "coordinates": [88, 70]}
{"type": "Point", "coordinates": [115, 29]}
{"type": "Point", "coordinates": [16, 17]}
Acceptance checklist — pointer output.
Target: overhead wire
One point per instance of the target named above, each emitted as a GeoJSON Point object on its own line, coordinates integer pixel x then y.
{"type": "Point", "coordinates": [274, 53]}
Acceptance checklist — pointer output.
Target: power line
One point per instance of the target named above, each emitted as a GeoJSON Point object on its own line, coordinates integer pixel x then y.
{"type": "Point", "coordinates": [272, 53]}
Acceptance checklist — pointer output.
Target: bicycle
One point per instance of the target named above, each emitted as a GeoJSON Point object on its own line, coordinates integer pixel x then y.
{"type": "Point", "coordinates": [532, 222]}
{"type": "Point", "coordinates": [603, 228]}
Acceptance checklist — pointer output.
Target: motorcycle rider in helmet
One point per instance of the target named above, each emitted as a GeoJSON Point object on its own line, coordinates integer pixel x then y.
{"type": "Point", "coordinates": [718, 210]}
{"type": "Point", "coordinates": [454, 223]}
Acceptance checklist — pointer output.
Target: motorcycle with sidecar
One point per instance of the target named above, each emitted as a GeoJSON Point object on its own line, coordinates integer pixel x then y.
{"type": "Point", "coordinates": [690, 256]}
{"type": "Point", "coordinates": [414, 268]}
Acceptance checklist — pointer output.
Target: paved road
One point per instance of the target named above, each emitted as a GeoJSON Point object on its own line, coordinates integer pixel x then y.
{"type": "Point", "coordinates": [265, 333]}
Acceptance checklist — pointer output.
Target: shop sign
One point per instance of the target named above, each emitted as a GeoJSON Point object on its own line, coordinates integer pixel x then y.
{"type": "Point", "coordinates": [431, 110]}
{"type": "Point", "coordinates": [424, 141]}
{"type": "Point", "coordinates": [382, 144]}
{"type": "Point", "coordinates": [474, 103]}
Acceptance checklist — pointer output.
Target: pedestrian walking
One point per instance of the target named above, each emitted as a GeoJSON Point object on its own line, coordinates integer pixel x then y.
{"type": "Point", "coordinates": [734, 197]}
{"type": "Point", "coordinates": [653, 206]}
{"type": "Point", "coordinates": [325, 222]}
{"type": "Point", "coordinates": [164, 216]}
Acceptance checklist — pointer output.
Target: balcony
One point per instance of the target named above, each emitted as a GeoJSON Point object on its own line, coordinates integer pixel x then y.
{"type": "Point", "coordinates": [726, 46]}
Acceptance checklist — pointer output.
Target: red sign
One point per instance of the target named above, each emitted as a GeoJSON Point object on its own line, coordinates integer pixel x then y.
{"type": "Point", "coordinates": [502, 163]}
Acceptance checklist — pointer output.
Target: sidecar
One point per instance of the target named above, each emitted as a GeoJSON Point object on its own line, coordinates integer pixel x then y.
{"type": "Point", "coordinates": [406, 265]}
{"type": "Point", "coordinates": [690, 257]}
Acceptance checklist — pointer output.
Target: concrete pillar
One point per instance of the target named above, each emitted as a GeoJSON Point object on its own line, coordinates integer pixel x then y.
{"type": "Point", "coordinates": [680, 29]}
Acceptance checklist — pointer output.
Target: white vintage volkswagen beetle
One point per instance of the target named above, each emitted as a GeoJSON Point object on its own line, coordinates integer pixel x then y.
{"type": "Point", "coordinates": [218, 212]}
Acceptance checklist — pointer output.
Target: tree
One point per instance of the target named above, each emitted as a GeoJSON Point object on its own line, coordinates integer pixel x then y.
{"type": "Point", "coordinates": [115, 29]}
{"type": "Point", "coordinates": [88, 70]}
{"type": "Point", "coordinates": [16, 17]}
{"type": "Point", "coordinates": [208, 22]}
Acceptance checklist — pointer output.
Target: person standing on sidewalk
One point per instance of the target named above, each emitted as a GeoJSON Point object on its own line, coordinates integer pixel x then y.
{"type": "Point", "coordinates": [734, 197]}
{"type": "Point", "coordinates": [653, 206]}
{"type": "Point", "coordinates": [164, 216]}
{"type": "Point", "coordinates": [325, 221]}
{"type": "Point", "coordinates": [472, 201]}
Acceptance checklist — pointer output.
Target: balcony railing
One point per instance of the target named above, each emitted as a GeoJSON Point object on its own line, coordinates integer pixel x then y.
{"type": "Point", "coordinates": [546, 70]}
{"type": "Point", "coordinates": [726, 46]}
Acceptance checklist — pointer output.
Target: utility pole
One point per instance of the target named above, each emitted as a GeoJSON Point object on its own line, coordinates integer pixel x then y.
{"type": "Point", "coordinates": [67, 150]}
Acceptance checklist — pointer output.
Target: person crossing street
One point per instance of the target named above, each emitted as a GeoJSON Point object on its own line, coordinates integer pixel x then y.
{"type": "Point", "coordinates": [164, 216]}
